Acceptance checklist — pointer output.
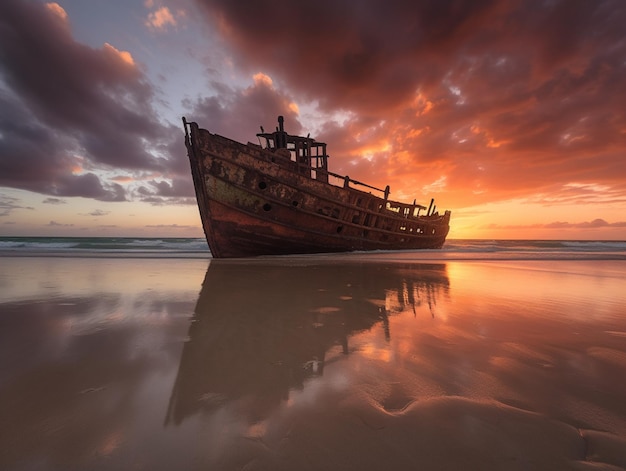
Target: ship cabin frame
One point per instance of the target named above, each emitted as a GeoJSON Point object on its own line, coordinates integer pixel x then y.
{"type": "Point", "coordinates": [309, 154]}
{"type": "Point", "coordinates": [311, 160]}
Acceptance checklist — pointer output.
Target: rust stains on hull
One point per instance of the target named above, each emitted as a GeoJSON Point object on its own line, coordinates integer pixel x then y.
{"type": "Point", "coordinates": [268, 201]}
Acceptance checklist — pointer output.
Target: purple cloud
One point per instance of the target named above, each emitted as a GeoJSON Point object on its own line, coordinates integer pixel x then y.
{"type": "Point", "coordinates": [66, 107]}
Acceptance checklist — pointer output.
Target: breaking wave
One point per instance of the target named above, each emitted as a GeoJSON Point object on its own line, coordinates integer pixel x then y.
{"type": "Point", "coordinates": [454, 249]}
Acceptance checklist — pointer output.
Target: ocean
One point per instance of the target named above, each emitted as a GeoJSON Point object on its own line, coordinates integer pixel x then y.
{"type": "Point", "coordinates": [454, 249]}
{"type": "Point", "coordinates": [136, 353]}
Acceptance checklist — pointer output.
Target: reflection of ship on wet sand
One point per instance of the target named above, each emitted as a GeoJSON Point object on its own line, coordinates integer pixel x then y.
{"type": "Point", "coordinates": [261, 329]}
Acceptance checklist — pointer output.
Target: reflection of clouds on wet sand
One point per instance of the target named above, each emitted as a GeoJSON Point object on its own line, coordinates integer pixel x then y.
{"type": "Point", "coordinates": [313, 364]}
{"type": "Point", "coordinates": [423, 369]}
{"type": "Point", "coordinates": [79, 340]}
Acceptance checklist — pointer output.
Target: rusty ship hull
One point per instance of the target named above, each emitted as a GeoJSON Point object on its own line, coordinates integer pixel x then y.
{"type": "Point", "coordinates": [281, 199]}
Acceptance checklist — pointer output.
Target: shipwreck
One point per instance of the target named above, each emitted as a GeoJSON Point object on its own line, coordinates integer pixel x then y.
{"type": "Point", "coordinates": [278, 197]}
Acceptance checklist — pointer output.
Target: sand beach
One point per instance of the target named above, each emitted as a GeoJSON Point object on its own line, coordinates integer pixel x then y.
{"type": "Point", "coordinates": [312, 363]}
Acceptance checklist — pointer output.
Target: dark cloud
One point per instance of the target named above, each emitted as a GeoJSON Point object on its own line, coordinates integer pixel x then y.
{"type": "Point", "coordinates": [341, 51]}
{"type": "Point", "coordinates": [34, 157]}
{"type": "Point", "coordinates": [54, 201]}
{"type": "Point", "coordinates": [595, 224]}
{"type": "Point", "coordinates": [238, 113]}
{"type": "Point", "coordinates": [175, 189]}
{"type": "Point", "coordinates": [98, 212]}
{"type": "Point", "coordinates": [502, 97]}
{"type": "Point", "coordinates": [88, 185]}
{"type": "Point", "coordinates": [27, 145]}
{"type": "Point", "coordinates": [66, 107]}
{"type": "Point", "coordinates": [169, 226]}
{"type": "Point", "coordinates": [377, 54]}
{"type": "Point", "coordinates": [178, 191]}
{"type": "Point", "coordinates": [58, 224]}
{"type": "Point", "coordinates": [8, 204]}
{"type": "Point", "coordinates": [163, 201]}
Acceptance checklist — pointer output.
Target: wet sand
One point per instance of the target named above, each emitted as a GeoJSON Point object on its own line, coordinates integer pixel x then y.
{"type": "Point", "coordinates": [306, 363]}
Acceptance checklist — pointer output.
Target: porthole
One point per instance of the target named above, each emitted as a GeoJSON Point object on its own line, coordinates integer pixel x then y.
{"type": "Point", "coordinates": [267, 207]}
{"type": "Point", "coordinates": [294, 203]}
{"type": "Point", "coordinates": [339, 229]}
{"type": "Point", "coordinates": [262, 185]}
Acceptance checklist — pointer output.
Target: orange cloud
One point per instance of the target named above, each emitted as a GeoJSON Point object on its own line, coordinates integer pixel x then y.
{"type": "Point", "coordinates": [422, 104]}
{"type": "Point", "coordinates": [261, 78]}
{"type": "Point", "coordinates": [125, 56]}
{"type": "Point", "coordinates": [57, 10]}
{"type": "Point", "coordinates": [123, 179]}
{"type": "Point", "coordinates": [160, 19]}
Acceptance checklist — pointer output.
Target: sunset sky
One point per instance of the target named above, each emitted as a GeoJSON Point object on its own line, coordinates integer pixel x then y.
{"type": "Point", "coordinates": [512, 114]}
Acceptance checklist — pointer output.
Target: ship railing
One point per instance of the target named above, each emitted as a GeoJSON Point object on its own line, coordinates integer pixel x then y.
{"type": "Point", "coordinates": [408, 211]}
{"type": "Point", "coordinates": [342, 180]}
